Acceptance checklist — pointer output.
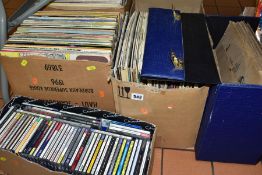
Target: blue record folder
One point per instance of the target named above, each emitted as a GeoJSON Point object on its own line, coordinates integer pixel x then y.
{"type": "Point", "coordinates": [164, 42]}
{"type": "Point", "coordinates": [178, 48]}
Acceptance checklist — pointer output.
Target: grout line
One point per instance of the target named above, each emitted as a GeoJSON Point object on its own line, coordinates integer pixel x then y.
{"type": "Point", "coordinates": [212, 168]}
{"type": "Point", "coordinates": [218, 13]}
{"type": "Point", "coordinates": [240, 5]}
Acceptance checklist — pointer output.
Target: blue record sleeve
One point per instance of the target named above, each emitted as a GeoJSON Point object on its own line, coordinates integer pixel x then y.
{"type": "Point", "coordinates": [164, 53]}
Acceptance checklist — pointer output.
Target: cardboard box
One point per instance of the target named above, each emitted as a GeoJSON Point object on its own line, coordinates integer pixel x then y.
{"type": "Point", "coordinates": [97, 92]}
{"type": "Point", "coordinates": [83, 83]}
{"type": "Point", "coordinates": [176, 112]}
{"type": "Point", "coordinates": [13, 164]}
{"type": "Point", "coordinates": [231, 126]}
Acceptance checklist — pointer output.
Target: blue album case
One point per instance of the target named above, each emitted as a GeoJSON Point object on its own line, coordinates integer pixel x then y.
{"type": "Point", "coordinates": [178, 48]}
{"type": "Point", "coordinates": [231, 127]}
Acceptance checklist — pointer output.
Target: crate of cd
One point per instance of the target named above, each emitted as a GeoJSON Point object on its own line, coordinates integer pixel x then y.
{"type": "Point", "coordinates": [66, 55]}
{"type": "Point", "coordinates": [40, 137]}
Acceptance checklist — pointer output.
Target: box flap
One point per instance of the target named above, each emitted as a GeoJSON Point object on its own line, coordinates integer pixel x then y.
{"type": "Point", "coordinates": [200, 66]}
{"type": "Point", "coordinates": [186, 6]}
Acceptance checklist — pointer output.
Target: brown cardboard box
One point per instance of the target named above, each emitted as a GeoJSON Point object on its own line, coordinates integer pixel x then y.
{"type": "Point", "coordinates": [28, 77]}
{"type": "Point", "coordinates": [13, 164]}
{"type": "Point", "coordinates": [177, 129]}
{"type": "Point", "coordinates": [176, 112]}
{"type": "Point", "coordinates": [83, 83]}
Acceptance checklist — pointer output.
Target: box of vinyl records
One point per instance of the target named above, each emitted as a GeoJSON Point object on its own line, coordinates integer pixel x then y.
{"type": "Point", "coordinates": [66, 55]}
{"type": "Point", "coordinates": [175, 106]}
{"type": "Point", "coordinates": [231, 126]}
{"type": "Point", "coordinates": [41, 137]}
{"type": "Point", "coordinates": [82, 83]}
{"type": "Point", "coordinates": [177, 112]}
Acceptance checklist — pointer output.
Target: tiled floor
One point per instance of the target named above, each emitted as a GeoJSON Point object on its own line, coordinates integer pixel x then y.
{"type": "Point", "coordinates": [177, 162]}
{"type": "Point", "coordinates": [227, 7]}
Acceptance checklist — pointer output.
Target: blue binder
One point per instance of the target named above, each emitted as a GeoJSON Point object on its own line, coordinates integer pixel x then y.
{"type": "Point", "coordinates": [164, 43]}
{"type": "Point", "coordinates": [231, 126]}
{"type": "Point", "coordinates": [178, 48]}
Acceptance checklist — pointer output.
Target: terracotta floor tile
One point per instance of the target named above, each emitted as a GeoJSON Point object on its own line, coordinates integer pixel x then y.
{"type": "Point", "coordinates": [210, 10]}
{"type": "Point", "coordinates": [14, 4]}
{"type": "Point", "coordinates": [247, 3]}
{"type": "Point", "coordinates": [228, 3]}
{"type": "Point", "coordinates": [11, 6]}
{"type": "Point", "coordinates": [5, 1]}
{"type": "Point", "coordinates": [157, 162]}
{"type": "Point", "coordinates": [237, 169]}
{"type": "Point", "coordinates": [229, 11]}
{"type": "Point", "coordinates": [209, 2]}
{"type": "Point", "coordinates": [183, 163]}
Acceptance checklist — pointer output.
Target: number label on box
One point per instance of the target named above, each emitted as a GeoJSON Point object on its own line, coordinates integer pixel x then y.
{"type": "Point", "coordinates": [138, 97]}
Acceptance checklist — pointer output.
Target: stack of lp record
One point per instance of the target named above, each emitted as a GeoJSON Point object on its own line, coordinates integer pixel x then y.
{"type": "Point", "coordinates": [62, 50]}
